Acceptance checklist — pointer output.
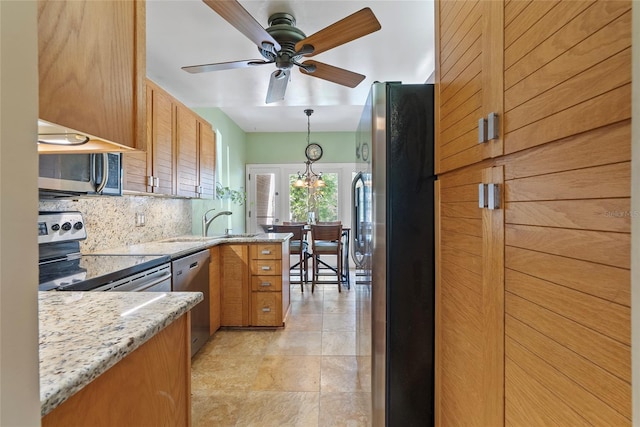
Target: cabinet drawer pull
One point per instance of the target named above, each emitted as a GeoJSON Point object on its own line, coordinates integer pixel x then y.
{"type": "Point", "coordinates": [265, 268]}
{"type": "Point", "coordinates": [265, 284]}
{"type": "Point", "coordinates": [266, 309]}
{"type": "Point", "coordinates": [266, 252]}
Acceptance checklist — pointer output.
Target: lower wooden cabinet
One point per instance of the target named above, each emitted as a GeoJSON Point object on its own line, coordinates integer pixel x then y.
{"type": "Point", "coordinates": [149, 387]}
{"type": "Point", "coordinates": [214, 289]}
{"type": "Point", "coordinates": [254, 284]}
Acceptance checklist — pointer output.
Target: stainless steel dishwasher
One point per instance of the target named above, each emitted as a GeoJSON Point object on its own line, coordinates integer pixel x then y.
{"type": "Point", "coordinates": [191, 274]}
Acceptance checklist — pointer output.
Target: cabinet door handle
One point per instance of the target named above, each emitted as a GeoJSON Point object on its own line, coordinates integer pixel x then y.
{"type": "Point", "coordinates": [266, 252]}
{"type": "Point", "coordinates": [266, 268]}
{"type": "Point", "coordinates": [492, 126]}
{"type": "Point", "coordinates": [482, 130]}
{"type": "Point", "coordinates": [265, 284]}
{"type": "Point", "coordinates": [493, 199]}
{"type": "Point", "coordinates": [266, 309]}
{"type": "Point", "coordinates": [482, 197]}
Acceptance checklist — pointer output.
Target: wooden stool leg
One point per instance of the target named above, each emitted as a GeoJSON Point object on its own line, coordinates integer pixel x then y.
{"type": "Point", "coordinates": [313, 272]}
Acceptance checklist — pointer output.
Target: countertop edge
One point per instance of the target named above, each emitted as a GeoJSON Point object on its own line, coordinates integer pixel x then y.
{"type": "Point", "coordinates": [179, 246]}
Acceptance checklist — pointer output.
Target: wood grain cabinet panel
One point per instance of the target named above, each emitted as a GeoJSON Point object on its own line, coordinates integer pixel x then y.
{"type": "Point", "coordinates": [567, 255]}
{"type": "Point", "coordinates": [234, 279]}
{"type": "Point", "coordinates": [161, 159]}
{"type": "Point", "coordinates": [269, 269]}
{"type": "Point", "coordinates": [187, 145]}
{"type": "Point", "coordinates": [207, 160]}
{"type": "Point", "coordinates": [181, 151]}
{"type": "Point", "coordinates": [543, 309]}
{"type": "Point", "coordinates": [92, 73]}
{"type": "Point", "coordinates": [214, 289]}
{"type": "Point", "coordinates": [469, 57]}
{"type": "Point", "coordinates": [469, 302]}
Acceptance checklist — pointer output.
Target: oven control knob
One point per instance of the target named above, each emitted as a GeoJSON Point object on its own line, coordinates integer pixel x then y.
{"type": "Point", "coordinates": [78, 225]}
{"type": "Point", "coordinates": [66, 226]}
{"type": "Point", "coordinates": [55, 227]}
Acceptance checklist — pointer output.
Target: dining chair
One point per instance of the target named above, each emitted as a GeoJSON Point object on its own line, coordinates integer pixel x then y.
{"type": "Point", "coordinates": [297, 246]}
{"type": "Point", "coordinates": [326, 240]}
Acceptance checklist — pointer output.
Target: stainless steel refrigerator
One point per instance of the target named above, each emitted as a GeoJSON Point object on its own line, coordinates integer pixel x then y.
{"type": "Point", "coordinates": [393, 247]}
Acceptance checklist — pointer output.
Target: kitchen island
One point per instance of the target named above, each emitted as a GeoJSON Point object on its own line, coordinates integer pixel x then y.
{"type": "Point", "coordinates": [88, 340]}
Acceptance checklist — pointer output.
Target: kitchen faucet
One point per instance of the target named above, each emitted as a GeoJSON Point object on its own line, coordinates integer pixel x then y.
{"type": "Point", "coordinates": [206, 222]}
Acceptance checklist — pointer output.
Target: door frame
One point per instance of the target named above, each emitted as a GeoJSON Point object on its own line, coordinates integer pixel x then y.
{"type": "Point", "coordinates": [345, 172]}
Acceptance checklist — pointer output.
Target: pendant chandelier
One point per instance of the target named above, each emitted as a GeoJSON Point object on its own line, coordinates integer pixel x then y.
{"type": "Point", "coordinates": [313, 152]}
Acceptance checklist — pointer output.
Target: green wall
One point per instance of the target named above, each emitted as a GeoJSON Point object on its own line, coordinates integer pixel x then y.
{"type": "Point", "coordinates": [236, 149]}
{"type": "Point", "coordinates": [230, 170]}
{"type": "Point", "coordinates": [270, 148]}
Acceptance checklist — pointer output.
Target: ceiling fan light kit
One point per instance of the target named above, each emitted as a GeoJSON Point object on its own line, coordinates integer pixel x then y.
{"type": "Point", "coordinates": [284, 45]}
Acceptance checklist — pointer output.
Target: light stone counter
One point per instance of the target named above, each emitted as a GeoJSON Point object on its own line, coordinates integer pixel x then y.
{"type": "Point", "coordinates": [180, 246]}
{"type": "Point", "coordinates": [83, 334]}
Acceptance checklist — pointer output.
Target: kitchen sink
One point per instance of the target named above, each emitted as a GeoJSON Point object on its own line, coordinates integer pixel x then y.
{"type": "Point", "coordinates": [186, 239]}
{"type": "Point", "coordinates": [230, 236]}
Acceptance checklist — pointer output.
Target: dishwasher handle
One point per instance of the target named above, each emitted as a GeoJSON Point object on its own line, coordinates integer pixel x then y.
{"type": "Point", "coordinates": [146, 285]}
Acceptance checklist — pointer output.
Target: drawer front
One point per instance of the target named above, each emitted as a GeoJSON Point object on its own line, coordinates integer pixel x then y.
{"type": "Point", "coordinates": [266, 283]}
{"type": "Point", "coordinates": [266, 267]}
{"type": "Point", "coordinates": [266, 308]}
{"type": "Point", "coordinates": [266, 251]}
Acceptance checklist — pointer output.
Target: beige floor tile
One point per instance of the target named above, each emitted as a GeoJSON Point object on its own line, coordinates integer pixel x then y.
{"type": "Point", "coordinates": [338, 343]}
{"type": "Point", "coordinates": [345, 374]}
{"type": "Point", "coordinates": [288, 373]}
{"type": "Point", "coordinates": [333, 294]}
{"type": "Point", "coordinates": [345, 409]}
{"type": "Point", "coordinates": [307, 306]}
{"type": "Point", "coordinates": [299, 343]}
{"type": "Point", "coordinates": [216, 408]}
{"type": "Point", "coordinates": [363, 343]}
{"type": "Point", "coordinates": [297, 295]}
{"type": "Point", "coordinates": [238, 342]}
{"type": "Point", "coordinates": [304, 322]}
{"type": "Point", "coordinates": [219, 372]}
{"type": "Point", "coordinates": [345, 306]}
{"type": "Point", "coordinates": [272, 408]}
{"type": "Point", "coordinates": [335, 322]}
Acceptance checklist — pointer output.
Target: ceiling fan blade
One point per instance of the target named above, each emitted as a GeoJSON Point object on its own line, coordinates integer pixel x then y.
{"type": "Point", "coordinates": [277, 85]}
{"type": "Point", "coordinates": [350, 28]}
{"type": "Point", "coordinates": [333, 74]}
{"type": "Point", "coordinates": [224, 66]}
{"type": "Point", "coordinates": [236, 15]}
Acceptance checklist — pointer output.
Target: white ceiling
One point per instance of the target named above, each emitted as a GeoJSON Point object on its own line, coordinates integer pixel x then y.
{"type": "Point", "coordinates": [188, 32]}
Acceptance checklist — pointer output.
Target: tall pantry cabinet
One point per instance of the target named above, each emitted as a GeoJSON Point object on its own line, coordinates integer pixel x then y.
{"type": "Point", "coordinates": [533, 297]}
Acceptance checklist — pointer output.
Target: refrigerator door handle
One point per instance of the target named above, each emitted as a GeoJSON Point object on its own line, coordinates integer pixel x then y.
{"type": "Point", "coordinates": [355, 230]}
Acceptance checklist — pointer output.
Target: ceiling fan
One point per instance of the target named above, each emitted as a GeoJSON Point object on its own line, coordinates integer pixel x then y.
{"type": "Point", "coordinates": [284, 45]}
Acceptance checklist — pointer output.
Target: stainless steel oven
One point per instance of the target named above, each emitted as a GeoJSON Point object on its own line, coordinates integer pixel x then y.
{"type": "Point", "coordinates": [63, 268]}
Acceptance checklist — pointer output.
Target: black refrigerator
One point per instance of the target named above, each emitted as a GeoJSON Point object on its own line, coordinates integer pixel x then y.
{"type": "Point", "coordinates": [393, 246]}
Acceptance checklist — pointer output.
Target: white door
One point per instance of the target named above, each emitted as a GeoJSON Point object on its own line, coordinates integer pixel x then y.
{"type": "Point", "coordinates": [263, 198]}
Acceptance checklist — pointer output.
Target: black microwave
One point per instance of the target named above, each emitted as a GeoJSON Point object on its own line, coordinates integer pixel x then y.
{"type": "Point", "coordinates": [68, 175]}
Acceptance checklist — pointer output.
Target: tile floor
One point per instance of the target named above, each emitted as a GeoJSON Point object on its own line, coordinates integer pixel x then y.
{"type": "Point", "coordinates": [314, 372]}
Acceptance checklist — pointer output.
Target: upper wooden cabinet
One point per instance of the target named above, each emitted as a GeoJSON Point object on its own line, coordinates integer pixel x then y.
{"type": "Point", "coordinates": [469, 49]}
{"type": "Point", "coordinates": [180, 156]}
{"type": "Point", "coordinates": [91, 64]}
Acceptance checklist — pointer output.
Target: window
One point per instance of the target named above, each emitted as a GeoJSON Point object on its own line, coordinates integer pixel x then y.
{"type": "Point", "coordinates": [321, 201]}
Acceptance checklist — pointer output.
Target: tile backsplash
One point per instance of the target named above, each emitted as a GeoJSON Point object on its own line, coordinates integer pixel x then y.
{"type": "Point", "coordinates": [111, 221]}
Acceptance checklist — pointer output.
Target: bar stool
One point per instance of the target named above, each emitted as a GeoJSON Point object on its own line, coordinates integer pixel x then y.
{"type": "Point", "coordinates": [297, 246]}
{"type": "Point", "coordinates": [326, 240]}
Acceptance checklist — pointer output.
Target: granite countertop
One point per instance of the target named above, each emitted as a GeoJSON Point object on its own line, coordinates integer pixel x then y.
{"type": "Point", "coordinates": [179, 246]}
{"type": "Point", "coordinates": [83, 334]}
